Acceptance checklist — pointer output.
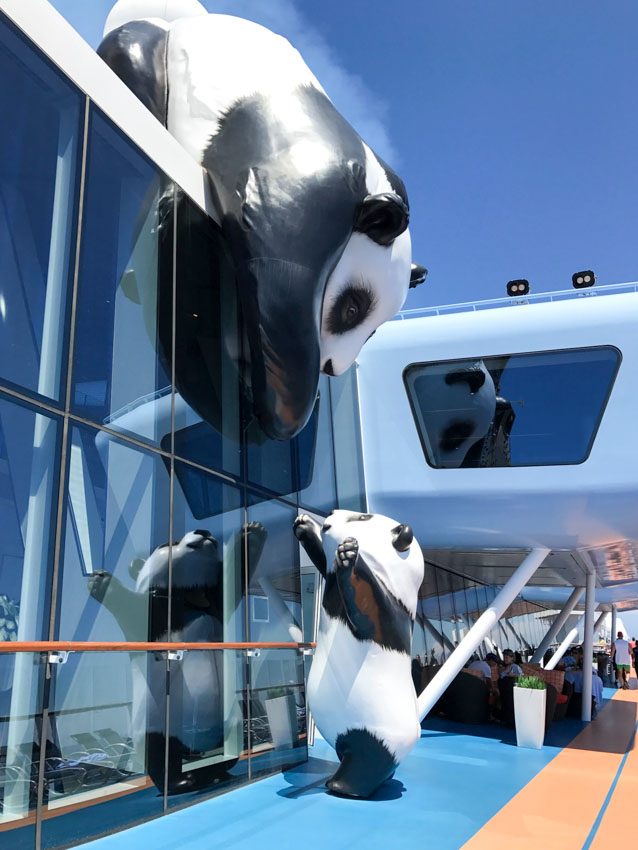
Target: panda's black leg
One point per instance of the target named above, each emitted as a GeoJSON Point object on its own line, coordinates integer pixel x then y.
{"type": "Point", "coordinates": [366, 763]}
{"type": "Point", "coordinates": [307, 533]}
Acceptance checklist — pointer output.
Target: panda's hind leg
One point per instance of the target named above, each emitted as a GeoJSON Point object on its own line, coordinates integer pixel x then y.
{"type": "Point", "coordinates": [366, 763]}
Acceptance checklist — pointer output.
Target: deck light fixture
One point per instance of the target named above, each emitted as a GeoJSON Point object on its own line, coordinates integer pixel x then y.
{"type": "Point", "coordinates": [516, 288]}
{"type": "Point", "coordinates": [581, 280]}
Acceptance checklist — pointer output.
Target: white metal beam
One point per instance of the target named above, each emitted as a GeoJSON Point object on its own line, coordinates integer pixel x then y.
{"type": "Point", "coordinates": [588, 644]}
{"type": "Point", "coordinates": [557, 625]}
{"type": "Point", "coordinates": [485, 623]}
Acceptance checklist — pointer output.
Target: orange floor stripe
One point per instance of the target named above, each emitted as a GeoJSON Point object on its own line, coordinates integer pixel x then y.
{"type": "Point", "coordinates": [560, 805]}
{"type": "Point", "coordinates": [617, 823]}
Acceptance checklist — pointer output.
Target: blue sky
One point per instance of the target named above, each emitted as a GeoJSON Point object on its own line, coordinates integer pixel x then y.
{"type": "Point", "coordinates": [513, 124]}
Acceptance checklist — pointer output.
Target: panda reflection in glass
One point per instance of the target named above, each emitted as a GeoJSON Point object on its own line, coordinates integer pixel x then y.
{"type": "Point", "coordinates": [360, 688]}
{"type": "Point", "coordinates": [316, 224]}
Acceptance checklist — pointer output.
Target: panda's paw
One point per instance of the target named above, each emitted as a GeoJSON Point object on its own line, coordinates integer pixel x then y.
{"type": "Point", "coordinates": [346, 555]}
{"type": "Point", "coordinates": [98, 584]}
{"type": "Point", "coordinates": [305, 528]}
{"type": "Point", "coordinates": [255, 533]}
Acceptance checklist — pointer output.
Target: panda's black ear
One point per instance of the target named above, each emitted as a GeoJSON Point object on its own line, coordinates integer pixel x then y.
{"type": "Point", "coordinates": [382, 217]}
{"type": "Point", "coordinates": [135, 567]}
{"type": "Point", "coordinates": [418, 275]}
{"type": "Point", "coordinates": [402, 537]}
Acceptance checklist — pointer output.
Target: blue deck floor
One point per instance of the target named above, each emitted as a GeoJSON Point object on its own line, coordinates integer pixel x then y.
{"type": "Point", "coordinates": [455, 780]}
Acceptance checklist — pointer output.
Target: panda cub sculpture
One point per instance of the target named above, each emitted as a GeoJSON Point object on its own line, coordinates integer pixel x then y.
{"type": "Point", "coordinates": [360, 688]}
{"type": "Point", "coordinates": [315, 222]}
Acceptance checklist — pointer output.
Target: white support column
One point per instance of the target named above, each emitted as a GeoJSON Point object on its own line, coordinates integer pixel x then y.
{"type": "Point", "coordinates": [569, 639]}
{"type": "Point", "coordinates": [557, 625]}
{"type": "Point", "coordinates": [480, 629]}
{"type": "Point", "coordinates": [599, 622]}
{"type": "Point", "coordinates": [562, 649]}
{"type": "Point", "coordinates": [588, 644]}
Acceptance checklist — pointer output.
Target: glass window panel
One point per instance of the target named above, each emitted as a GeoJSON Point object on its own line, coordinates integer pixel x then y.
{"type": "Point", "coordinates": [316, 458]}
{"type": "Point", "coordinates": [208, 742]}
{"type": "Point", "coordinates": [283, 467]}
{"type": "Point", "coordinates": [516, 410]}
{"type": "Point", "coordinates": [277, 711]}
{"type": "Point", "coordinates": [38, 200]}
{"type": "Point", "coordinates": [274, 586]}
{"type": "Point", "coordinates": [116, 519]}
{"type": "Point", "coordinates": [29, 459]}
{"type": "Point", "coordinates": [344, 394]}
{"type": "Point", "coordinates": [21, 693]}
{"type": "Point", "coordinates": [121, 360]}
{"type": "Point", "coordinates": [107, 744]}
{"type": "Point", "coordinates": [208, 345]}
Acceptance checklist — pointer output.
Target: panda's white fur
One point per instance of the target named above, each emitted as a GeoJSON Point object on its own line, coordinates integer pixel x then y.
{"type": "Point", "coordinates": [208, 74]}
{"type": "Point", "coordinates": [355, 684]}
{"type": "Point", "coordinates": [454, 401]}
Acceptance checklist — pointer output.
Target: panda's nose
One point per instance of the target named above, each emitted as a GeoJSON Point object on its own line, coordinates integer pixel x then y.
{"type": "Point", "coordinates": [328, 368]}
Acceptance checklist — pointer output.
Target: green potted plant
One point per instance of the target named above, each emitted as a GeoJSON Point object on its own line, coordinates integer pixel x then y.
{"type": "Point", "coordinates": [529, 711]}
{"type": "Point", "coordinates": [282, 716]}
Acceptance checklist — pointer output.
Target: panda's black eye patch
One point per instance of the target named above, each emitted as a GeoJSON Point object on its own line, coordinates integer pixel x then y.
{"type": "Point", "coordinates": [455, 435]}
{"type": "Point", "coordinates": [353, 305]}
{"type": "Point", "coordinates": [360, 518]}
{"type": "Point", "coordinates": [473, 377]}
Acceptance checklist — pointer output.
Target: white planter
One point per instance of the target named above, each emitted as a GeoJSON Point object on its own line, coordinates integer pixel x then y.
{"type": "Point", "coordinates": [282, 719]}
{"type": "Point", "coordinates": [529, 714]}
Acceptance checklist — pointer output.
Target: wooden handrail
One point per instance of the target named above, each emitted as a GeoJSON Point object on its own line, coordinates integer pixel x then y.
{"type": "Point", "coordinates": [155, 646]}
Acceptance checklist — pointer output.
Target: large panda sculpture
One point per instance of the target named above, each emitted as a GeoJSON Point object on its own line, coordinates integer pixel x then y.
{"type": "Point", "coordinates": [316, 223]}
{"type": "Point", "coordinates": [197, 683]}
{"type": "Point", "coordinates": [360, 688]}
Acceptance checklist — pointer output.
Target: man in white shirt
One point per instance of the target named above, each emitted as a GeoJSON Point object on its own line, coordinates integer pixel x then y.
{"type": "Point", "coordinates": [620, 654]}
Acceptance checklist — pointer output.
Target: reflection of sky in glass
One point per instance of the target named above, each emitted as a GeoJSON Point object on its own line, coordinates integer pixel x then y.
{"type": "Point", "coordinates": [555, 401]}
{"type": "Point", "coordinates": [38, 195]}
{"type": "Point", "coordinates": [558, 400]}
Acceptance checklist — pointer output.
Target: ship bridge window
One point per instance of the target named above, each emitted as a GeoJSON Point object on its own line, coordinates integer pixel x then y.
{"type": "Point", "coordinates": [538, 409]}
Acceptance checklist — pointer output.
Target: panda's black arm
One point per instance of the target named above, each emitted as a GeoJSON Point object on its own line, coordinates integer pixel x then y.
{"type": "Point", "coordinates": [306, 533]}
{"type": "Point", "coordinates": [372, 612]}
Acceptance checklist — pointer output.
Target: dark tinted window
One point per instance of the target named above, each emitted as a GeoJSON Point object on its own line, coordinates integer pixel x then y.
{"type": "Point", "coordinates": [121, 364]}
{"type": "Point", "coordinates": [516, 410]}
{"type": "Point", "coordinates": [38, 196]}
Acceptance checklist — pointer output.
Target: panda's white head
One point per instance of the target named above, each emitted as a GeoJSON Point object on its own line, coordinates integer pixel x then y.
{"type": "Point", "coordinates": [370, 282]}
{"type": "Point", "coordinates": [367, 287]}
{"type": "Point", "coordinates": [457, 404]}
{"type": "Point", "coordinates": [196, 563]}
{"type": "Point", "coordinates": [388, 547]}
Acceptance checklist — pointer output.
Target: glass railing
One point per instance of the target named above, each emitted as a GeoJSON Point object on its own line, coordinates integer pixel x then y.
{"type": "Point", "coordinates": [537, 298]}
{"type": "Point", "coordinates": [95, 737]}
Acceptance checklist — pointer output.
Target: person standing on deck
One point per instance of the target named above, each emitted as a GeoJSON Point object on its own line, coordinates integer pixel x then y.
{"type": "Point", "coordinates": [620, 654]}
